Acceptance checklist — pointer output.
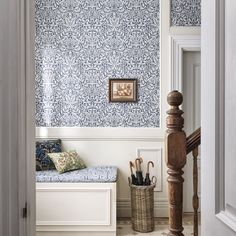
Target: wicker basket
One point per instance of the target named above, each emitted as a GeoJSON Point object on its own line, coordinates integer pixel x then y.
{"type": "Point", "coordinates": [142, 207]}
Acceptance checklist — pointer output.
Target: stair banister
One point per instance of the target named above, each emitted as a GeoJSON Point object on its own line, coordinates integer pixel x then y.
{"type": "Point", "coordinates": [175, 160]}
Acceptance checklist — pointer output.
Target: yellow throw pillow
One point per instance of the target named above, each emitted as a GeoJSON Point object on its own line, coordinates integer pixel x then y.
{"type": "Point", "coordinates": [67, 161]}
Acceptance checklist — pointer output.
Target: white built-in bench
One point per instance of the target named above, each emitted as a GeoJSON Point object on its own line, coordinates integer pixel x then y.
{"type": "Point", "coordinates": [77, 203]}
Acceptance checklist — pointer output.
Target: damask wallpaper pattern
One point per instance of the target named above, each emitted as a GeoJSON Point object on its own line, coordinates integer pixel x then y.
{"type": "Point", "coordinates": [80, 44]}
{"type": "Point", "coordinates": [185, 12]}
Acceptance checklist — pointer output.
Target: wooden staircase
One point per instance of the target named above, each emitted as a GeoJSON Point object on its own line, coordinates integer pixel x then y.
{"type": "Point", "coordinates": [177, 148]}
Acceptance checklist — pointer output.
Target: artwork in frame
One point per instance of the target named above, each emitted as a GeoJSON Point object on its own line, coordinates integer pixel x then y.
{"type": "Point", "coordinates": [122, 90]}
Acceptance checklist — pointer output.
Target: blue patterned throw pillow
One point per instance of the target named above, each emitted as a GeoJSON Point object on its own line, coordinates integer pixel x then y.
{"type": "Point", "coordinates": [43, 161]}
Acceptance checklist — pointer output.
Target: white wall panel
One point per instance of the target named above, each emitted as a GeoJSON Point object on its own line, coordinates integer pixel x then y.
{"type": "Point", "coordinates": [118, 148]}
{"type": "Point", "coordinates": [154, 155]}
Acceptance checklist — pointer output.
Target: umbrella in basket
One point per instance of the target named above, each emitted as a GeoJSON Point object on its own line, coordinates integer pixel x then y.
{"type": "Point", "coordinates": [133, 177]}
{"type": "Point", "coordinates": [147, 180]}
{"type": "Point", "coordinates": [139, 173]}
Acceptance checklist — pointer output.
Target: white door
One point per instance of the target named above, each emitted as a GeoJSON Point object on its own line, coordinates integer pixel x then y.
{"type": "Point", "coordinates": [218, 150]}
{"type": "Point", "coordinates": [192, 115]}
{"type": "Point", "coordinates": [16, 119]}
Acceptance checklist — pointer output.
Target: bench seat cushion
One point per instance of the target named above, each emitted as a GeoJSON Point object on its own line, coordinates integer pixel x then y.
{"type": "Point", "coordinates": [102, 174]}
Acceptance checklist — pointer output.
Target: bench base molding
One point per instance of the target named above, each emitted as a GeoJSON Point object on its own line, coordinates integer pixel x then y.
{"type": "Point", "coordinates": [68, 209]}
{"type": "Point", "coordinates": [76, 233]}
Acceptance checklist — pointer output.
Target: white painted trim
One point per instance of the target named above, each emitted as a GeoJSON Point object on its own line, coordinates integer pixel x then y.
{"type": "Point", "coordinates": [73, 223]}
{"type": "Point", "coordinates": [179, 44]}
{"type": "Point", "coordinates": [161, 207]}
{"type": "Point", "coordinates": [185, 30]}
{"type": "Point", "coordinates": [164, 61]}
{"type": "Point", "coordinates": [29, 66]}
{"type": "Point", "coordinates": [107, 223]}
{"type": "Point", "coordinates": [220, 110]}
{"type": "Point", "coordinates": [67, 232]}
{"type": "Point", "coordinates": [227, 219]}
{"type": "Point", "coordinates": [223, 210]}
{"type": "Point", "coordinates": [168, 18]}
{"type": "Point", "coordinates": [17, 71]}
{"type": "Point", "coordinates": [100, 134]}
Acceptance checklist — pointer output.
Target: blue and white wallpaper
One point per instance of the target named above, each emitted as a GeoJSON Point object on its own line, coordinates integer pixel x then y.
{"type": "Point", "coordinates": [185, 12]}
{"type": "Point", "coordinates": [80, 44]}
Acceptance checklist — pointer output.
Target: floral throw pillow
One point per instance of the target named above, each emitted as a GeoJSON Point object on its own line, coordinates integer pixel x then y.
{"type": "Point", "coordinates": [43, 161]}
{"type": "Point", "coordinates": [67, 161]}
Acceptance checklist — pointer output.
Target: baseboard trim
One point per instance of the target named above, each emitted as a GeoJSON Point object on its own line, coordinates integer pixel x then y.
{"type": "Point", "coordinates": [81, 233]}
{"type": "Point", "coordinates": [160, 208]}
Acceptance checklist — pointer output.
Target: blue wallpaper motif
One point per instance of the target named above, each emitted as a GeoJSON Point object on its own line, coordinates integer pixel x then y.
{"type": "Point", "coordinates": [80, 44]}
{"type": "Point", "coordinates": [185, 12]}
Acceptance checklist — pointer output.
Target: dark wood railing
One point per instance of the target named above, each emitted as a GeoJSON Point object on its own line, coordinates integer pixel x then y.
{"type": "Point", "coordinates": [177, 148]}
{"type": "Point", "coordinates": [193, 140]}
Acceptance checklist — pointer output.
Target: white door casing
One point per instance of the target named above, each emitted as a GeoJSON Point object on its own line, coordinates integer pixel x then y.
{"type": "Point", "coordinates": [179, 45]}
{"type": "Point", "coordinates": [218, 115]}
{"type": "Point", "coordinates": [16, 118]}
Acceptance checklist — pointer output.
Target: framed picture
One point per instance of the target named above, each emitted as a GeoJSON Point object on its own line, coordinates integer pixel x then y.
{"type": "Point", "coordinates": [122, 90]}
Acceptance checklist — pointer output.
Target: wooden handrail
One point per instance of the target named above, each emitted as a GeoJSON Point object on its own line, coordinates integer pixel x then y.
{"type": "Point", "coordinates": [193, 140]}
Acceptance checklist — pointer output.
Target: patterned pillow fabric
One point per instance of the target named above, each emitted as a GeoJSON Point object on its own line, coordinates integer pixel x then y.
{"type": "Point", "coordinates": [43, 161]}
{"type": "Point", "coordinates": [67, 161]}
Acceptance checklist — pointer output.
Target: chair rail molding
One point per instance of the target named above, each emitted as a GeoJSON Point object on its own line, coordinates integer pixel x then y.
{"type": "Point", "coordinates": [179, 44]}
{"type": "Point", "coordinates": [100, 134]}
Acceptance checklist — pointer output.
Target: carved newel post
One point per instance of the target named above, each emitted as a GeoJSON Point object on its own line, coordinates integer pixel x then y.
{"type": "Point", "coordinates": [175, 160]}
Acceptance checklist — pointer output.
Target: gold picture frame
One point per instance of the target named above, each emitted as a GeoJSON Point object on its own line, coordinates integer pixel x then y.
{"type": "Point", "coordinates": [122, 90]}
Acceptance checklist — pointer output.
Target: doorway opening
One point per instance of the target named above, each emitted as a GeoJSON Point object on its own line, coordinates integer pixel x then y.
{"type": "Point", "coordinates": [192, 119]}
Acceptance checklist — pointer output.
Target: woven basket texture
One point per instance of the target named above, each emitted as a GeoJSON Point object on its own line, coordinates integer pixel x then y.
{"type": "Point", "coordinates": [142, 207]}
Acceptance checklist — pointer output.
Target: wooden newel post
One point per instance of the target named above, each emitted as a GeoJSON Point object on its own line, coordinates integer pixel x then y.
{"type": "Point", "coordinates": [175, 160]}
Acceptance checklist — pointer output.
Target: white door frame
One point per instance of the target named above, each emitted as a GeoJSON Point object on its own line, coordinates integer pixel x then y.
{"type": "Point", "coordinates": [216, 218]}
{"type": "Point", "coordinates": [30, 115]}
{"type": "Point", "coordinates": [179, 44]}
{"type": "Point", "coordinates": [17, 160]}
{"type": "Point", "coordinates": [222, 212]}
{"type": "Point", "coordinates": [26, 114]}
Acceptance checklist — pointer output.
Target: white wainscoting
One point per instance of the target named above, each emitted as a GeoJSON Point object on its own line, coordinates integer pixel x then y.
{"type": "Point", "coordinates": [154, 155]}
{"type": "Point", "coordinates": [101, 134]}
{"type": "Point", "coordinates": [117, 146]}
{"type": "Point", "coordinates": [75, 199]}
{"type": "Point", "coordinates": [75, 207]}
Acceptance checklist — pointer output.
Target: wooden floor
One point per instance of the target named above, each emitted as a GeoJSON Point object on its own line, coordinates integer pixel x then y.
{"type": "Point", "coordinates": [161, 227]}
